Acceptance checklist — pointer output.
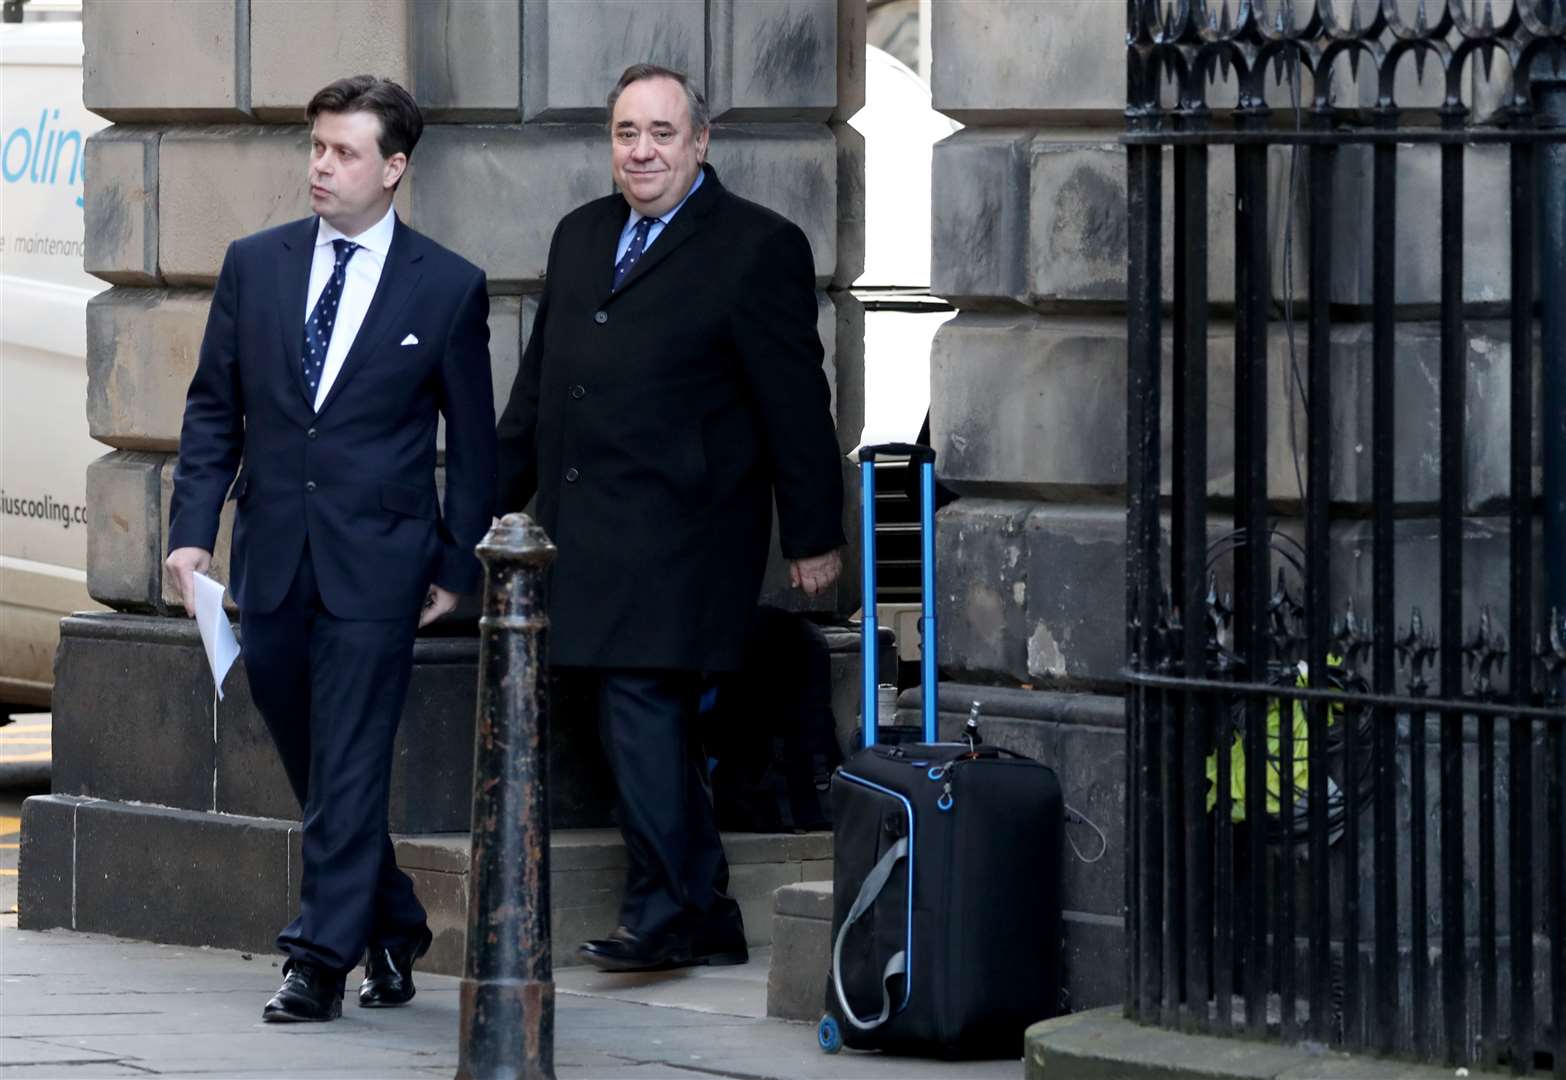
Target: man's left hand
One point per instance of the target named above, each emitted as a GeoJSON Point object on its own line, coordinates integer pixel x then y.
{"type": "Point", "coordinates": [437, 602]}
{"type": "Point", "coordinates": [817, 573]}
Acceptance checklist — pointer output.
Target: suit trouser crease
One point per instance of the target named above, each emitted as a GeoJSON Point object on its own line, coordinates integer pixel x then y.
{"type": "Point", "coordinates": [676, 863]}
{"type": "Point", "coordinates": [331, 692]}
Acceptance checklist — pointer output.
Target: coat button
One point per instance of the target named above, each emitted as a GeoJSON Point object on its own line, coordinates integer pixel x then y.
{"type": "Point", "coordinates": [309, 485]}
{"type": "Point", "coordinates": [571, 475]}
{"type": "Point", "coordinates": [601, 317]}
{"type": "Point", "coordinates": [310, 434]}
{"type": "Point", "coordinates": [578, 392]}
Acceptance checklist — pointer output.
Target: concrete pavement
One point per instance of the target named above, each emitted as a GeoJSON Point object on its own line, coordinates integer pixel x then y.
{"type": "Point", "coordinates": [83, 1006]}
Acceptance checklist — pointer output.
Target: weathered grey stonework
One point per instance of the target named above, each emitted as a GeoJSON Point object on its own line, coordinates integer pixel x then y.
{"type": "Point", "coordinates": [534, 174]}
{"type": "Point", "coordinates": [773, 59]}
{"type": "Point", "coordinates": [466, 60]}
{"type": "Point", "coordinates": [573, 50]}
{"type": "Point", "coordinates": [295, 49]}
{"type": "Point", "coordinates": [530, 176]}
{"type": "Point", "coordinates": [1038, 218]}
{"type": "Point", "coordinates": [1019, 61]}
{"type": "Point", "coordinates": [850, 205]}
{"type": "Point", "coordinates": [1032, 405]}
{"type": "Point", "coordinates": [142, 349]}
{"type": "Point", "coordinates": [125, 530]}
{"type": "Point", "coordinates": [121, 205]}
{"type": "Point", "coordinates": [1034, 593]}
{"type": "Point", "coordinates": [1035, 405]}
{"type": "Point", "coordinates": [166, 61]}
{"type": "Point", "coordinates": [1486, 247]}
{"type": "Point", "coordinates": [789, 168]}
{"type": "Point", "coordinates": [221, 183]}
{"type": "Point", "coordinates": [982, 594]}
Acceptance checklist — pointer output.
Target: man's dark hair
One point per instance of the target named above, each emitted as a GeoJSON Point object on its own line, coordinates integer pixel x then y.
{"type": "Point", "coordinates": [693, 97]}
{"type": "Point", "coordinates": [401, 121]}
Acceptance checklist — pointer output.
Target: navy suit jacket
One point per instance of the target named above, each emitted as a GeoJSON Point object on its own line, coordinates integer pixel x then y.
{"type": "Point", "coordinates": [356, 479]}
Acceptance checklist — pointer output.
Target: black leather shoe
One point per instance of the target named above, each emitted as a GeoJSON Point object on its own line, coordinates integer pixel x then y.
{"type": "Point", "coordinates": [625, 950]}
{"type": "Point", "coordinates": [310, 994]}
{"type": "Point", "coordinates": [388, 974]}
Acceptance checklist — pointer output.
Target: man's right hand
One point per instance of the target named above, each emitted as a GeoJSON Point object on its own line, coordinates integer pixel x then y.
{"type": "Point", "coordinates": [183, 563]}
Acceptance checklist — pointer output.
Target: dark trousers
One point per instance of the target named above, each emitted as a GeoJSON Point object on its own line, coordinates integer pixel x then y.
{"type": "Point", "coordinates": [331, 692]}
{"type": "Point", "coordinates": [678, 877]}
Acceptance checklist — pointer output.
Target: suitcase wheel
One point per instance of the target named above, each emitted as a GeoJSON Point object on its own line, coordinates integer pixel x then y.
{"type": "Point", "coordinates": [829, 1036]}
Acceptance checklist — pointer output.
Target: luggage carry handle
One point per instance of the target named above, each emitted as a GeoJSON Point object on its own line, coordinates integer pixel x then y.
{"type": "Point", "coordinates": [871, 625]}
{"type": "Point", "coordinates": [874, 882]}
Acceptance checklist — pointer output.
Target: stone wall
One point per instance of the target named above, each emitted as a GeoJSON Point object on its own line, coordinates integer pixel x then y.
{"type": "Point", "coordinates": [209, 144]}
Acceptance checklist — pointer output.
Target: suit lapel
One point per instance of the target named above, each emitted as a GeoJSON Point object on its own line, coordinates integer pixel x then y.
{"type": "Point", "coordinates": [399, 276]}
{"type": "Point", "coordinates": [293, 287]}
{"type": "Point", "coordinates": [684, 226]}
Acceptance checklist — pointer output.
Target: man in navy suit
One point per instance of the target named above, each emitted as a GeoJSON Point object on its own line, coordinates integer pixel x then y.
{"type": "Point", "coordinates": [671, 391]}
{"type": "Point", "coordinates": [332, 347]}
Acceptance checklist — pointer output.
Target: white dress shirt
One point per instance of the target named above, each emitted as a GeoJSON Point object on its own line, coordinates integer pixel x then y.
{"type": "Point", "coordinates": [359, 283]}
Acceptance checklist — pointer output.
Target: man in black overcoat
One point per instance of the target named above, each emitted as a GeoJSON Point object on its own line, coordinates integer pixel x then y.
{"type": "Point", "coordinates": [333, 345]}
{"type": "Point", "coordinates": [672, 388]}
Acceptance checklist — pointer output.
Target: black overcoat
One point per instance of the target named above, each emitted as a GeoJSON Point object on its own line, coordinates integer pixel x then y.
{"type": "Point", "coordinates": [657, 424]}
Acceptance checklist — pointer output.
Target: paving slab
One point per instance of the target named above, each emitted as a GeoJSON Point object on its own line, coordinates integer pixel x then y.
{"type": "Point", "coordinates": [80, 1006]}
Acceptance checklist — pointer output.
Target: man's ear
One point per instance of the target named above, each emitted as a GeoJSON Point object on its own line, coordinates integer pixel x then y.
{"type": "Point", "coordinates": [392, 172]}
{"type": "Point", "coordinates": [701, 146]}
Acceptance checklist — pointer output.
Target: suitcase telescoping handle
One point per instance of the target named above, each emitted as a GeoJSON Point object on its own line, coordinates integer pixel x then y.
{"type": "Point", "coordinates": [926, 459]}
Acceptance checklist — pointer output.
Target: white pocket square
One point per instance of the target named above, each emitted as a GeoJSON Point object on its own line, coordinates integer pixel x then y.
{"type": "Point", "coordinates": [410, 340]}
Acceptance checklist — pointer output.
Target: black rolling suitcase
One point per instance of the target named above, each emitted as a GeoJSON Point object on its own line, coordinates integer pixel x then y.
{"type": "Point", "coordinates": [946, 907]}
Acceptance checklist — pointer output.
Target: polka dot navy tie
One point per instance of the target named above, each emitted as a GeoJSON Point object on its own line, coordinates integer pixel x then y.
{"type": "Point", "coordinates": [318, 327]}
{"type": "Point", "coordinates": [634, 252]}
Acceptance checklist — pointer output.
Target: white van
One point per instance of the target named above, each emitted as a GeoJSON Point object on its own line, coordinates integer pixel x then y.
{"type": "Point", "coordinates": [44, 445]}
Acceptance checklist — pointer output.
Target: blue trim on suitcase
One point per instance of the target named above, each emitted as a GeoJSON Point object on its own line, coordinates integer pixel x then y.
{"type": "Point", "coordinates": [927, 647]}
{"type": "Point", "coordinates": [870, 631]}
{"type": "Point", "coordinates": [908, 808]}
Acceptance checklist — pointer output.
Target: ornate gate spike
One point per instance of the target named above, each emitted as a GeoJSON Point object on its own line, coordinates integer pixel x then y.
{"type": "Point", "coordinates": [1416, 647]}
{"type": "Point", "coordinates": [1484, 651]}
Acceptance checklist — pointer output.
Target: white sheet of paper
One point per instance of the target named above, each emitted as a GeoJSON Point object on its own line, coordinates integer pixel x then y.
{"type": "Point", "coordinates": [217, 635]}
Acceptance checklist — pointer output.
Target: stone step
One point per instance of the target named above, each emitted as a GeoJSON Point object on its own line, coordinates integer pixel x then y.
{"type": "Point", "coordinates": [199, 878]}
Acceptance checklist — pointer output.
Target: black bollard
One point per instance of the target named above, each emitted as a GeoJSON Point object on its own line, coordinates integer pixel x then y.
{"type": "Point", "coordinates": [508, 989]}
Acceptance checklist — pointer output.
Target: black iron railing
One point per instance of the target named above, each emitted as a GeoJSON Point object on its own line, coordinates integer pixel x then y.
{"type": "Point", "coordinates": [1327, 838]}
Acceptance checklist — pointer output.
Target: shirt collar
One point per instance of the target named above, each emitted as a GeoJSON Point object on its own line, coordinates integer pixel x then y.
{"type": "Point", "coordinates": [637, 215]}
{"type": "Point", "coordinates": [376, 238]}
